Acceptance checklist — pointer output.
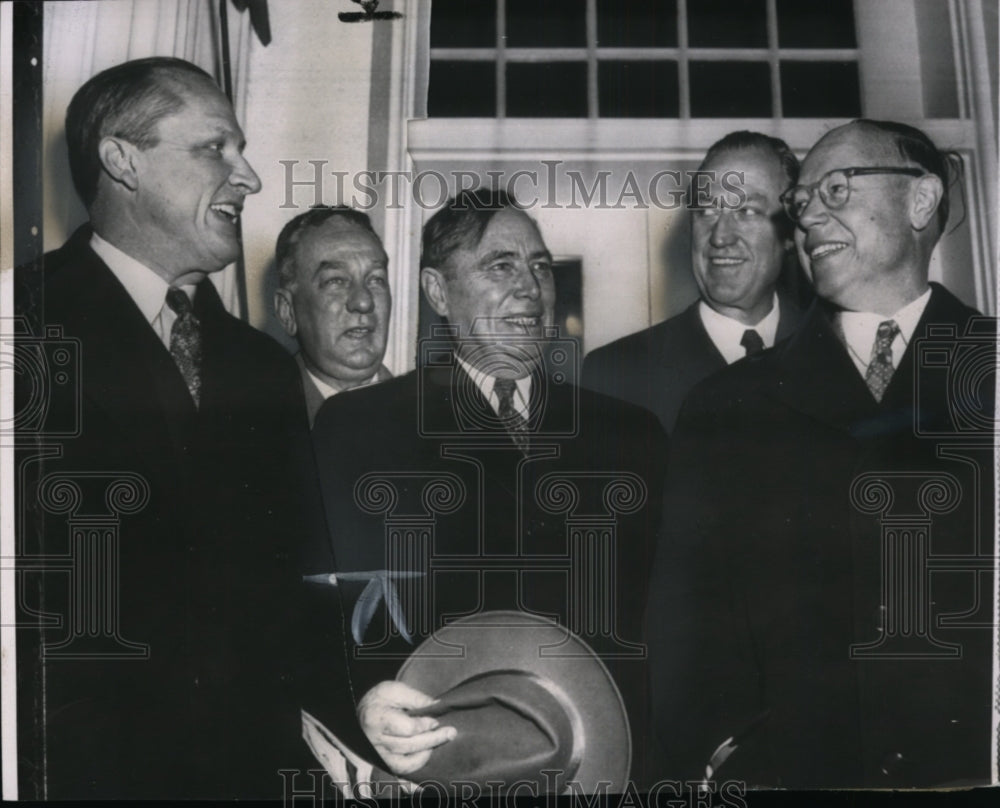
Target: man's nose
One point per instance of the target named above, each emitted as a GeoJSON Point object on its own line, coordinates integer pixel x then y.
{"type": "Point", "coordinates": [723, 231]}
{"type": "Point", "coordinates": [813, 212]}
{"type": "Point", "coordinates": [527, 284]}
{"type": "Point", "coordinates": [360, 299]}
{"type": "Point", "coordinates": [243, 176]}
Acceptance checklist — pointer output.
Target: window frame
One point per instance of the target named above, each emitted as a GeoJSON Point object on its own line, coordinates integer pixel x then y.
{"type": "Point", "coordinates": [683, 54]}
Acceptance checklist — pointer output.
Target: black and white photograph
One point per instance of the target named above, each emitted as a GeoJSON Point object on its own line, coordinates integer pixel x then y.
{"type": "Point", "coordinates": [475, 401]}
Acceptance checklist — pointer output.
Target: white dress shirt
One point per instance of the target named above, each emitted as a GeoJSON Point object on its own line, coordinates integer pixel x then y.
{"type": "Point", "coordinates": [726, 332]}
{"type": "Point", "coordinates": [487, 385]}
{"type": "Point", "coordinates": [858, 329]}
{"type": "Point", "coordinates": [147, 289]}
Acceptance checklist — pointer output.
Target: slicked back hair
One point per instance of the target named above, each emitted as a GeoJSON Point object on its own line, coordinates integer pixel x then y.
{"type": "Point", "coordinates": [745, 139]}
{"type": "Point", "coordinates": [292, 231]}
{"type": "Point", "coordinates": [126, 101]}
{"type": "Point", "coordinates": [461, 223]}
{"type": "Point", "coordinates": [916, 147]}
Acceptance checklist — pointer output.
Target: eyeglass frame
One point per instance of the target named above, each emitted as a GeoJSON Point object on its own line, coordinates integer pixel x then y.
{"type": "Point", "coordinates": [853, 171]}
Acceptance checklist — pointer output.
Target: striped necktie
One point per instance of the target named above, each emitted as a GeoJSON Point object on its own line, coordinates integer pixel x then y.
{"type": "Point", "coordinates": [513, 421]}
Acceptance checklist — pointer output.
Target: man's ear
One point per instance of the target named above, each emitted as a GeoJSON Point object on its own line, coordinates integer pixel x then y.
{"type": "Point", "coordinates": [285, 312]}
{"type": "Point", "coordinates": [926, 195]}
{"type": "Point", "coordinates": [118, 158]}
{"type": "Point", "coordinates": [435, 287]}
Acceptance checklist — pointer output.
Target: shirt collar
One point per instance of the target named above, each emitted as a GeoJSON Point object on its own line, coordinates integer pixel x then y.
{"type": "Point", "coordinates": [487, 383]}
{"type": "Point", "coordinates": [726, 332]}
{"type": "Point", "coordinates": [859, 327]}
{"type": "Point", "coordinates": [147, 289]}
{"type": "Point", "coordinates": [326, 389]}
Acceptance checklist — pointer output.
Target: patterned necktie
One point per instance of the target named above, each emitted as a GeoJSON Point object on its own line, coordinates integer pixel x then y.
{"type": "Point", "coordinates": [185, 340]}
{"type": "Point", "coordinates": [880, 367]}
{"type": "Point", "coordinates": [752, 342]}
{"type": "Point", "coordinates": [513, 421]}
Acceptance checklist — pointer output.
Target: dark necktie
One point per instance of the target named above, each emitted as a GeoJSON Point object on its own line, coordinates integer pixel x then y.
{"type": "Point", "coordinates": [752, 342]}
{"type": "Point", "coordinates": [185, 340]}
{"type": "Point", "coordinates": [513, 421]}
{"type": "Point", "coordinates": [880, 368]}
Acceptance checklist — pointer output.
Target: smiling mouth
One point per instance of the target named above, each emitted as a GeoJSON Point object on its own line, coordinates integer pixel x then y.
{"type": "Point", "coordinates": [227, 211]}
{"type": "Point", "coordinates": [360, 332]}
{"type": "Point", "coordinates": [725, 261]}
{"type": "Point", "coordinates": [524, 322]}
{"type": "Point", "coordinates": [825, 249]}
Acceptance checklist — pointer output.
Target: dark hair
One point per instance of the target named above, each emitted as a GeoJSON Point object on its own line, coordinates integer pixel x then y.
{"type": "Point", "coordinates": [315, 216]}
{"type": "Point", "coordinates": [461, 223]}
{"type": "Point", "coordinates": [916, 147]}
{"type": "Point", "coordinates": [126, 101]}
{"type": "Point", "coordinates": [744, 139]}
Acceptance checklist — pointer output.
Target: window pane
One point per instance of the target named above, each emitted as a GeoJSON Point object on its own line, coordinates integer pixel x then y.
{"type": "Point", "coordinates": [727, 23]}
{"type": "Point", "coordinates": [556, 90]}
{"type": "Point", "coordinates": [461, 89]}
{"type": "Point", "coordinates": [637, 23]}
{"type": "Point", "coordinates": [730, 90]}
{"type": "Point", "coordinates": [820, 90]}
{"type": "Point", "coordinates": [546, 23]}
{"type": "Point", "coordinates": [637, 89]}
{"type": "Point", "coordinates": [461, 24]}
{"type": "Point", "coordinates": [829, 24]}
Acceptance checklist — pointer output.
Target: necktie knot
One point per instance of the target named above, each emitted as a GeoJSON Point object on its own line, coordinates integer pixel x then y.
{"type": "Point", "coordinates": [752, 342]}
{"type": "Point", "coordinates": [880, 367]}
{"type": "Point", "coordinates": [505, 392]}
{"type": "Point", "coordinates": [886, 335]}
{"type": "Point", "coordinates": [185, 340]}
{"type": "Point", "coordinates": [179, 302]}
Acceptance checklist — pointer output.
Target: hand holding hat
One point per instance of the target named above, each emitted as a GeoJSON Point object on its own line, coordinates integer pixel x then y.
{"type": "Point", "coordinates": [404, 740]}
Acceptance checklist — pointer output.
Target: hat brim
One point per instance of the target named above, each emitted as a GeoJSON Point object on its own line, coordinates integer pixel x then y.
{"type": "Point", "coordinates": [510, 640]}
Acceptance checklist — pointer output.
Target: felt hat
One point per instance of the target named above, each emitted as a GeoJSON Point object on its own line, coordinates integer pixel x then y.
{"type": "Point", "coordinates": [532, 703]}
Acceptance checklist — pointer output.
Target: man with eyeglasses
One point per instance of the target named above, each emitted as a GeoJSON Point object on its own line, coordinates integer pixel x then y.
{"type": "Point", "coordinates": [739, 243]}
{"type": "Point", "coordinates": [798, 636]}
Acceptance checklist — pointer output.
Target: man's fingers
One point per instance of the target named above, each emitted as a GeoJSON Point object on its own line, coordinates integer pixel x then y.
{"type": "Point", "coordinates": [395, 722]}
{"type": "Point", "coordinates": [401, 695]}
{"type": "Point", "coordinates": [413, 744]}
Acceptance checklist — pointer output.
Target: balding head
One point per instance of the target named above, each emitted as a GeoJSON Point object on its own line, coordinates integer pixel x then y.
{"type": "Point", "coordinates": [869, 214]}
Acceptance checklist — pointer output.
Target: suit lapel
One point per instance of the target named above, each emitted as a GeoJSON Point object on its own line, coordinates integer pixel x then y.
{"type": "Point", "coordinates": [127, 372]}
{"type": "Point", "coordinates": [789, 317]}
{"type": "Point", "coordinates": [812, 373]}
{"type": "Point", "coordinates": [951, 317]}
{"type": "Point", "coordinates": [699, 354]}
{"type": "Point", "coordinates": [314, 398]}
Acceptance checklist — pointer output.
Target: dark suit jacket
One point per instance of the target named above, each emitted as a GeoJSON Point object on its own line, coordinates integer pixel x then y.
{"type": "Point", "coordinates": [205, 701]}
{"type": "Point", "coordinates": [487, 529]}
{"type": "Point", "coordinates": [313, 397]}
{"type": "Point", "coordinates": [658, 367]}
{"type": "Point", "coordinates": [785, 475]}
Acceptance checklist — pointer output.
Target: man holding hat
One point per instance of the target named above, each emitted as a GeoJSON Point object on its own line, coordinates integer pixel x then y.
{"type": "Point", "coordinates": [485, 481]}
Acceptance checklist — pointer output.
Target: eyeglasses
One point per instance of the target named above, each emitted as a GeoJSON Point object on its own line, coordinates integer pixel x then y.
{"type": "Point", "coordinates": [835, 188]}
